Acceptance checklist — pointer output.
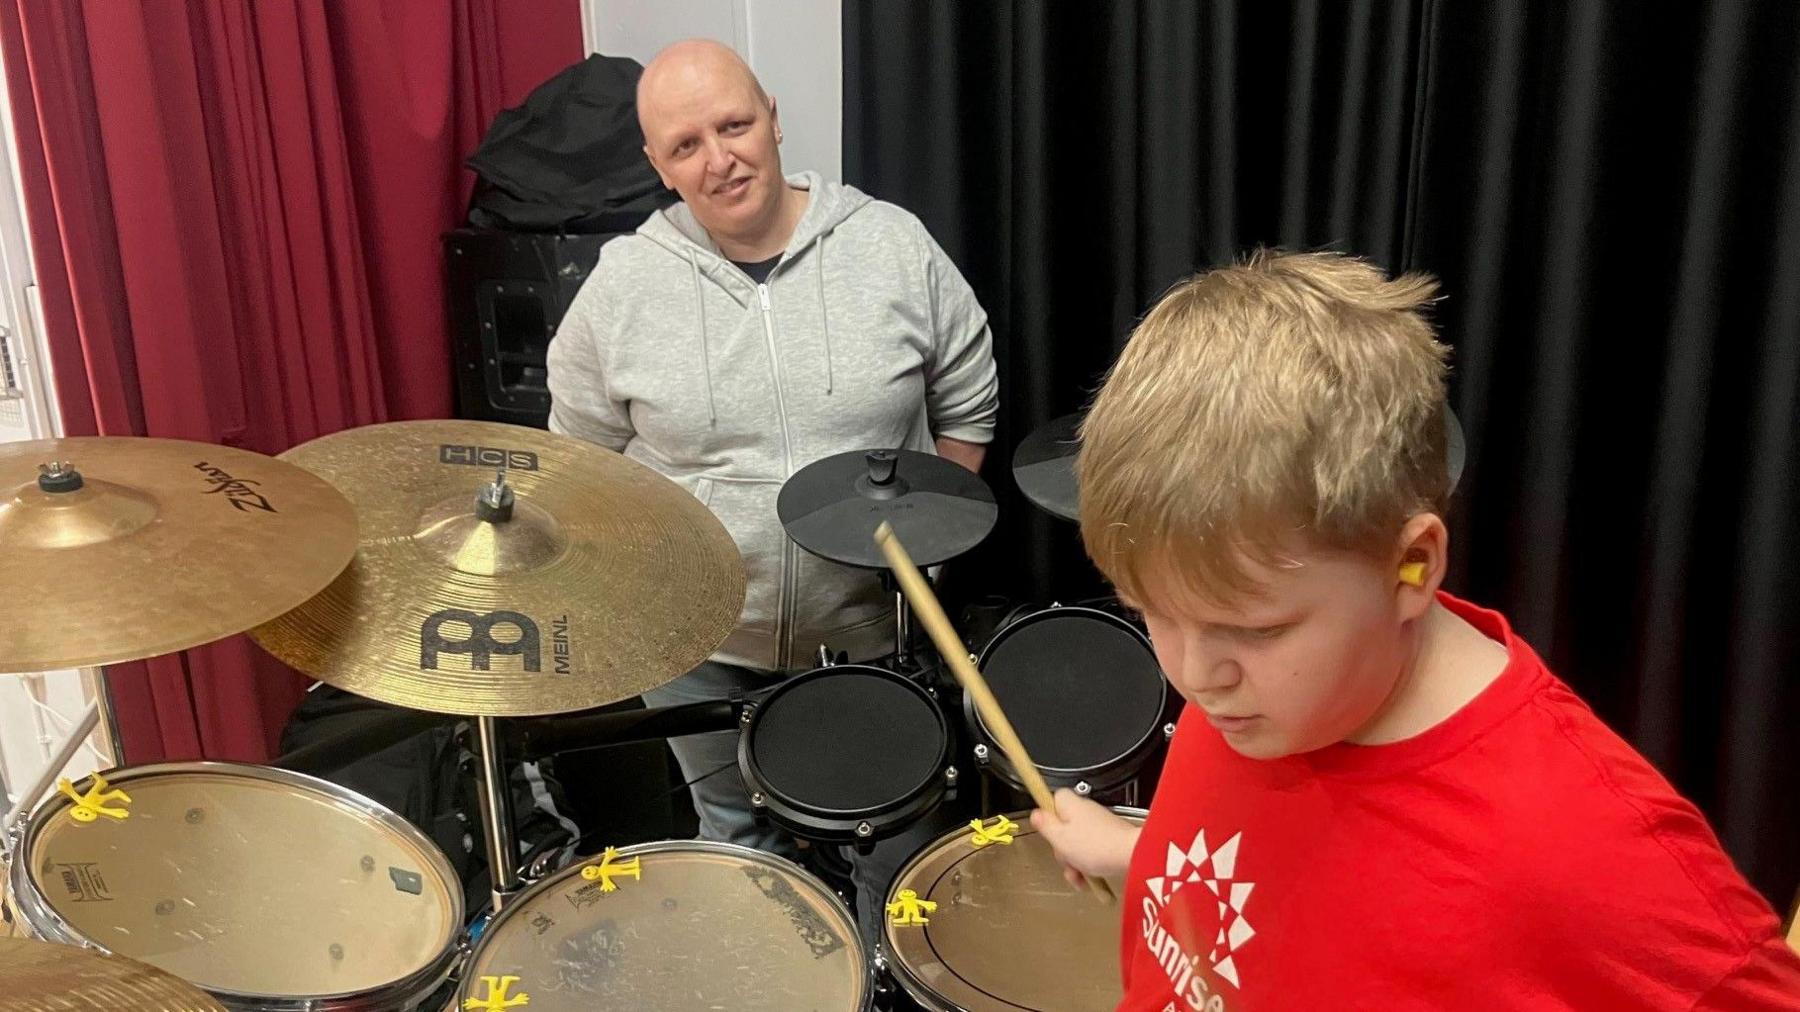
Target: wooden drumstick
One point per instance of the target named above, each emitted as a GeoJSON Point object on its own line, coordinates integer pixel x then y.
{"type": "Point", "coordinates": [931, 614]}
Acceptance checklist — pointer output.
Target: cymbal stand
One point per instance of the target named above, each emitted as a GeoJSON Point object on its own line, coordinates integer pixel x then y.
{"type": "Point", "coordinates": [494, 504]}
{"type": "Point", "coordinates": [496, 812]}
{"type": "Point", "coordinates": [96, 682]}
{"type": "Point", "coordinates": [65, 752]}
{"type": "Point", "coordinates": [902, 622]}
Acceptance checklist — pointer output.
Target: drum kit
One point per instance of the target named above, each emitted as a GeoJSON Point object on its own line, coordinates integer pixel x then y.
{"type": "Point", "coordinates": [512, 578]}
{"type": "Point", "coordinates": [1081, 684]}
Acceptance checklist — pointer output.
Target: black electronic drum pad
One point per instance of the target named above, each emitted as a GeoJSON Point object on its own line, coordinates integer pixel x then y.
{"type": "Point", "coordinates": [1081, 691]}
{"type": "Point", "coordinates": [847, 743]}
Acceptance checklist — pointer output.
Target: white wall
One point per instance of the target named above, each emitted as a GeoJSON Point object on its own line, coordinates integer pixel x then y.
{"type": "Point", "coordinates": [35, 709]}
{"type": "Point", "coordinates": [795, 47]}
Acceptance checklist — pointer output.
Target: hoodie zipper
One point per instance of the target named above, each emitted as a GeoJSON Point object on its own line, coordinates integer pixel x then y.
{"type": "Point", "coordinates": [784, 597]}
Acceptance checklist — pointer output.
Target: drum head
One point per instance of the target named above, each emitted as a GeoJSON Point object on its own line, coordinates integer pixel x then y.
{"type": "Point", "coordinates": [848, 741]}
{"type": "Point", "coordinates": [1081, 687]}
{"type": "Point", "coordinates": [702, 926]}
{"type": "Point", "coordinates": [247, 881]}
{"type": "Point", "coordinates": [1008, 932]}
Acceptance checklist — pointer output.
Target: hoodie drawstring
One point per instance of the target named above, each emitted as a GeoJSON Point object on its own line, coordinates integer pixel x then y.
{"type": "Point", "coordinates": [712, 412]}
{"type": "Point", "coordinates": [824, 317]}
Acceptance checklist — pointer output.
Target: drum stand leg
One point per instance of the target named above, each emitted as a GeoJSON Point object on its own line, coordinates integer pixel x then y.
{"type": "Point", "coordinates": [496, 813]}
{"type": "Point", "coordinates": [64, 753]}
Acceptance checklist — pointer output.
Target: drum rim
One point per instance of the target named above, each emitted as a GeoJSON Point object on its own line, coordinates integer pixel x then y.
{"type": "Point", "coordinates": [753, 773]}
{"type": "Point", "coordinates": [42, 920]}
{"type": "Point", "coordinates": [859, 951]}
{"type": "Point", "coordinates": [911, 981]}
{"type": "Point", "coordinates": [1101, 775]}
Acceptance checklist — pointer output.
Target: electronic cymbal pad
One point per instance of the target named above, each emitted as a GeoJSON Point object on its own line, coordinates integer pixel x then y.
{"type": "Point", "coordinates": [1455, 447]}
{"type": "Point", "coordinates": [507, 571]}
{"type": "Point", "coordinates": [1044, 466]}
{"type": "Point", "coordinates": [832, 506]}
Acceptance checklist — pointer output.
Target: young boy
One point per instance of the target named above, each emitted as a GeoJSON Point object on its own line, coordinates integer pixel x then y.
{"type": "Point", "coordinates": [1380, 798]}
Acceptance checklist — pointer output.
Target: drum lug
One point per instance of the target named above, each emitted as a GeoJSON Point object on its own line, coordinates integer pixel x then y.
{"type": "Point", "coordinates": [884, 981]}
{"type": "Point", "coordinates": [981, 755]}
{"type": "Point", "coordinates": [864, 830]}
{"type": "Point", "coordinates": [1169, 732]}
{"type": "Point", "coordinates": [746, 713]}
{"type": "Point", "coordinates": [757, 799]}
{"type": "Point", "coordinates": [1083, 788]}
{"type": "Point", "coordinates": [950, 776]}
{"type": "Point", "coordinates": [9, 841]}
{"type": "Point", "coordinates": [541, 866]}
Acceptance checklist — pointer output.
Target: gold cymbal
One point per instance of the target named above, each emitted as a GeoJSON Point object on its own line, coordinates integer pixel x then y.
{"type": "Point", "coordinates": [606, 579]}
{"type": "Point", "coordinates": [51, 977]}
{"type": "Point", "coordinates": [155, 545]}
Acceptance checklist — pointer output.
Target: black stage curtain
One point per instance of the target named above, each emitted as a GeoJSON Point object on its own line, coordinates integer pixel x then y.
{"type": "Point", "coordinates": [1610, 192]}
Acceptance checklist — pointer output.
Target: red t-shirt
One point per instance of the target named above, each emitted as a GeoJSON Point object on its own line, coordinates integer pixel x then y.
{"type": "Point", "coordinates": [1519, 855]}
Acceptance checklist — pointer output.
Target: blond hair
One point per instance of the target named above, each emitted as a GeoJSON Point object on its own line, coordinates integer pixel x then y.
{"type": "Point", "coordinates": [1294, 393]}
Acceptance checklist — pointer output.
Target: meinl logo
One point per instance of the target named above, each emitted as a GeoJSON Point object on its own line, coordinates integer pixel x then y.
{"type": "Point", "coordinates": [481, 645]}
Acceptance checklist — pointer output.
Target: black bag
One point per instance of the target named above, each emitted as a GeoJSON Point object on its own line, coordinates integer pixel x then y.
{"type": "Point", "coordinates": [429, 780]}
{"type": "Point", "coordinates": [571, 158]}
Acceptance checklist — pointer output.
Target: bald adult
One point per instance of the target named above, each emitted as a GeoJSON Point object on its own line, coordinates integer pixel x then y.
{"type": "Point", "coordinates": [767, 321]}
{"type": "Point", "coordinates": [713, 135]}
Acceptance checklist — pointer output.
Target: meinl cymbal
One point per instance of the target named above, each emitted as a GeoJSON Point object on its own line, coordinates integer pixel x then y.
{"type": "Point", "coordinates": [582, 578]}
{"type": "Point", "coordinates": [119, 548]}
{"type": "Point", "coordinates": [51, 977]}
{"type": "Point", "coordinates": [832, 506]}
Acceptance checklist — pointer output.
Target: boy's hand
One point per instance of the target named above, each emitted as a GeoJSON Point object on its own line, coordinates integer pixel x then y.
{"type": "Point", "coordinates": [1087, 837]}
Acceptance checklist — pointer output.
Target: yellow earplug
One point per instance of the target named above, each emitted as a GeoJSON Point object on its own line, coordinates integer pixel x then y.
{"type": "Point", "coordinates": [1413, 573]}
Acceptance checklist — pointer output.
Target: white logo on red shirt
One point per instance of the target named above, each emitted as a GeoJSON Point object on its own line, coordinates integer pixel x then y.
{"type": "Point", "coordinates": [1175, 945]}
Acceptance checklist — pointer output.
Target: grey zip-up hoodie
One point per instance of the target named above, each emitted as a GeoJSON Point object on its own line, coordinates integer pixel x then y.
{"type": "Point", "coordinates": [864, 335]}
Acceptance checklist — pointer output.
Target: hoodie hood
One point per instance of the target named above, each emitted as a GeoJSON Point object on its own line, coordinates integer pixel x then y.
{"type": "Point", "coordinates": [677, 230]}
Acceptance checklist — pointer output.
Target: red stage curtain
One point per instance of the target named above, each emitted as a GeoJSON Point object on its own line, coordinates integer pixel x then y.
{"type": "Point", "coordinates": [235, 210]}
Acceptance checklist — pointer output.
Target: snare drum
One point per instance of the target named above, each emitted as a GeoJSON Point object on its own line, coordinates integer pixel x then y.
{"type": "Point", "coordinates": [1085, 693]}
{"type": "Point", "coordinates": [271, 889]}
{"type": "Point", "coordinates": [1007, 932]}
{"type": "Point", "coordinates": [846, 754]}
{"type": "Point", "coordinates": [675, 926]}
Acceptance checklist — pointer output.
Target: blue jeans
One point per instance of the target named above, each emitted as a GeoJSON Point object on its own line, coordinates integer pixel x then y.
{"type": "Point", "coordinates": [720, 799]}
{"type": "Point", "coordinates": [723, 804]}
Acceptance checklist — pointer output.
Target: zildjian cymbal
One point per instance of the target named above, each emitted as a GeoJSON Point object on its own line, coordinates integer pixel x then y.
{"type": "Point", "coordinates": [574, 578]}
{"type": "Point", "coordinates": [118, 548]}
{"type": "Point", "coordinates": [51, 977]}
